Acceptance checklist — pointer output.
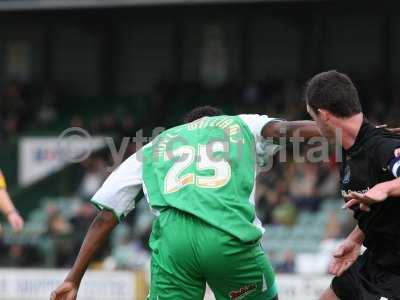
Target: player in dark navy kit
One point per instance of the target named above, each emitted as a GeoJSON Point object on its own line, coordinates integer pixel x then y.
{"type": "Point", "coordinates": [371, 188]}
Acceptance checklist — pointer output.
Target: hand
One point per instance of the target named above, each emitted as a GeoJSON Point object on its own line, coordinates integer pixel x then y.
{"type": "Point", "coordinates": [16, 221]}
{"type": "Point", "coordinates": [66, 291]}
{"type": "Point", "coordinates": [344, 257]}
{"type": "Point", "coordinates": [375, 195]}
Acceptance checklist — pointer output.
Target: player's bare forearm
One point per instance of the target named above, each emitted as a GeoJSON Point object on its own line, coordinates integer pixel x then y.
{"type": "Point", "coordinates": [8, 209]}
{"type": "Point", "coordinates": [356, 236]}
{"type": "Point", "coordinates": [97, 234]}
{"type": "Point", "coordinates": [6, 205]}
{"type": "Point", "coordinates": [303, 129]}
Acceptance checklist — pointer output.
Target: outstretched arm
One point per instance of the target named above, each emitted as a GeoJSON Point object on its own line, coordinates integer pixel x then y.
{"type": "Point", "coordinates": [387, 154]}
{"type": "Point", "coordinates": [116, 198]}
{"type": "Point", "coordinates": [377, 194]}
{"type": "Point", "coordinates": [8, 209]}
{"type": "Point", "coordinates": [97, 234]}
{"type": "Point", "coordinates": [304, 129]}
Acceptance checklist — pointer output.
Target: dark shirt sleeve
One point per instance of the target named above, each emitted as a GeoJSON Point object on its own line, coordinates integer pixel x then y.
{"type": "Point", "coordinates": [385, 152]}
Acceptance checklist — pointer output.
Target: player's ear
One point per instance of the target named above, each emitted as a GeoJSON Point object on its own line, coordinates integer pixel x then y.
{"type": "Point", "coordinates": [324, 114]}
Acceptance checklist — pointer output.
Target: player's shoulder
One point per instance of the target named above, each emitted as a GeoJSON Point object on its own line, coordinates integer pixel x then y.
{"type": "Point", "coordinates": [254, 118]}
{"type": "Point", "coordinates": [169, 131]}
{"type": "Point", "coordinates": [378, 137]}
{"type": "Point", "coordinates": [256, 122]}
{"type": "Point", "coordinates": [381, 146]}
{"type": "Point", "coordinates": [384, 137]}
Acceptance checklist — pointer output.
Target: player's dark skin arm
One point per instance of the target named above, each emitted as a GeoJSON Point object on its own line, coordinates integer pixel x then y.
{"type": "Point", "coordinates": [303, 129]}
{"type": "Point", "coordinates": [97, 234]}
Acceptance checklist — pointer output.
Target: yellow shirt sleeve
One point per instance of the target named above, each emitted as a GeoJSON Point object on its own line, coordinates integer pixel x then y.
{"type": "Point", "coordinates": [3, 183]}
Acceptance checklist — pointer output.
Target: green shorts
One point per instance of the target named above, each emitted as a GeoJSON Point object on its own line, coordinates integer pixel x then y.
{"type": "Point", "coordinates": [187, 253]}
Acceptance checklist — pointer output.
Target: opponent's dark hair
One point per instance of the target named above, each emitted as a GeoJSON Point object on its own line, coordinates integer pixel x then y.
{"type": "Point", "coordinates": [202, 111]}
{"type": "Point", "coordinates": [333, 91]}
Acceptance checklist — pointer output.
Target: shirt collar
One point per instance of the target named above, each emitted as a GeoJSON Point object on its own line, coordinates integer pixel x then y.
{"type": "Point", "coordinates": [365, 128]}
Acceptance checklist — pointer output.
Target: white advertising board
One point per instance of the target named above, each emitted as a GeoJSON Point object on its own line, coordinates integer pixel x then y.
{"type": "Point", "coordinates": [37, 284]}
{"type": "Point", "coordinates": [39, 157]}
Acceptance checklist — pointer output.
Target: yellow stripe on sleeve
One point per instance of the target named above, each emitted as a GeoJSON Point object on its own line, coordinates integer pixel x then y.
{"type": "Point", "coordinates": [3, 183]}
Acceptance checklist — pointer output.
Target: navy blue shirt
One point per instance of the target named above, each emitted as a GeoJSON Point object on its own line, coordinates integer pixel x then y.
{"type": "Point", "coordinates": [369, 162]}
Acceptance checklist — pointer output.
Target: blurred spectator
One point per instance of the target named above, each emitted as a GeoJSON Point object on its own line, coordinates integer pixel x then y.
{"type": "Point", "coordinates": [333, 228]}
{"type": "Point", "coordinates": [80, 222]}
{"type": "Point", "coordinates": [77, 121]}
{"type": "Point", "coordinates": [284, 213]}
{"type": "Point", "coordinates": [127, 126]}
{"type": "Point", "coordinates": [59, 232]}
{"type": "Point", "coordinates": [12, 101]}
{"type": "Point", "coordinates": [328, 181]}
{"type": "Point", "coordinates": [46, 112]}
{"type": "Point", "coordinates": [302, 187]}
{"type": "Point", "coordinates": [287, 264]}
{"type": "Point", "coordinates": [93, 178]}
{"type": "Point", "coordinates": [22, 256]}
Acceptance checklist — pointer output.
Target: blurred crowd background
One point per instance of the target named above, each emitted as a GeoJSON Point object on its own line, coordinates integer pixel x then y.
{"type": "Point", "coordinates": [116, 71]}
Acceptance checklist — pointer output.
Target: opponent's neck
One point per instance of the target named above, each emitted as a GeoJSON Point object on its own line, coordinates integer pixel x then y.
{"type": "Point", "coordinates": [350, 128]}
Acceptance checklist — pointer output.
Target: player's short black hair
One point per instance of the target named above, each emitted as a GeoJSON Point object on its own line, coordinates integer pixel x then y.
{"type": "Point", "coordinates": [333, 91]}
{"type": "Point", "coordinates": [202, 111]}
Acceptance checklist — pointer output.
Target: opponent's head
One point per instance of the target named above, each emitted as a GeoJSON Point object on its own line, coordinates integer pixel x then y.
{"type": "Point", "coordinates": [202, 111]}
{"type": "Point", "coordinates": [331, 98]}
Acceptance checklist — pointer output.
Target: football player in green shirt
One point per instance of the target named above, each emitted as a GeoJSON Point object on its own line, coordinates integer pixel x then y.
{"type": "Point", "coordinates": [199, 180]}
